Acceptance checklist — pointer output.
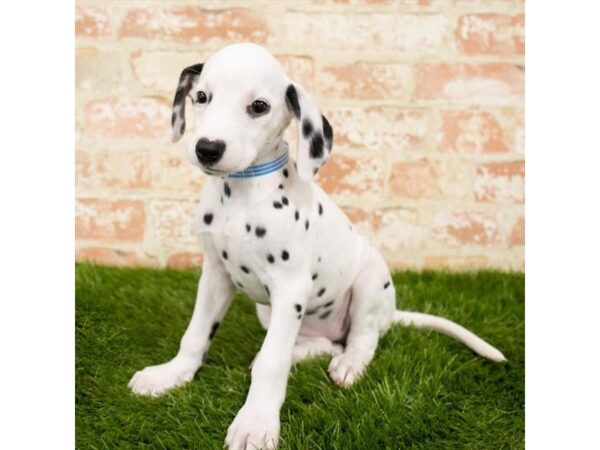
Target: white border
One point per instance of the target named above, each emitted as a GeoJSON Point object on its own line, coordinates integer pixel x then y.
{"type": "Point", "coordinates": [37, 225]}
{"type": "Point", "coordinates": [563, 224]}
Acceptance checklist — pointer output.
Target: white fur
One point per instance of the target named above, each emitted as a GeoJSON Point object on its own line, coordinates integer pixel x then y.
{"type": "Point", "coordinates": [328, 263]}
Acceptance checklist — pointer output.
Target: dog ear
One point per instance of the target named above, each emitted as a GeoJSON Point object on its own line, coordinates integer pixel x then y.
{"type": "Point", "coordinates": [186, 80]}
{"type": "Point", "coordinates": [315, 136]}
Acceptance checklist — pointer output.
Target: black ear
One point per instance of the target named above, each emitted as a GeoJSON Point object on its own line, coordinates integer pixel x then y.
{"type": "Point", "coordinates": [186, 80]}
{"type": "Point", "coordinates": [315, 135]}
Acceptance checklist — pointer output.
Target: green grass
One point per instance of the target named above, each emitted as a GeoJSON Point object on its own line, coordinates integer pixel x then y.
{"type": "Point", "coordinates": [422, 390]}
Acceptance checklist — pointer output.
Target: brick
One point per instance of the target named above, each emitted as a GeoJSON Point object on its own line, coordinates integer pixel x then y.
{"type": "Point", "coordinates": [161, 69]}
{"type": "Point", "coordinates": [171, 172]}
{"type": "Point", "coordinates": [502, 182]}
{"type": "Point", "coordinates": [391, 230]}
{"type": "Point", "coordinates": [414, 179]}
{"type": "Point", "coordinates": [409, 33]}
{"type": "Point", "coordinates": [519, 144]}
{"type": "Point", "coordinates": [376, 128]}
{"type": "Point", "coordinates": [184, 260]}
{"type": "Point", "coordinates": [118, 169]}
{"type": "Point", "coordinates": [455, 262]}
{"type": "Point", "coordinates": [96, 71]}
{"type": "Point", "coordinates": [350, 176]}
{"type": "Point", "coordinates": [472, 132]}
{"type": "Point", "coordinates": [118, 220]}
{"type": "Point", "coordinates": [365, 81]}
{"type": "Point", "coordinates": [148, 118]}
{"type": "Point", "coordinates": [112, 169]}
{"type": "Point", "coordinates": [194, 25]}
{"type": "Point", "coordinates": [172, 222]}
{"type": "Point", "coordinates": [485, 34]}
{"type": "Point", "coordinates": [115, 257]}
{"type": "Point", "coordinates": [92, 22]}
{"type": "Point", "coordinates": [83, 170]}
{"type": "Point", "coordinates": [363, 2]}
{"type": "Point", "coordinates": [300, 69]}
{"type": "Point", "coordinates": [463, 228]}
{"type": "Point", "coordinates": [495, 83]}
{"type": "Point", "coordinates": [517, 236]}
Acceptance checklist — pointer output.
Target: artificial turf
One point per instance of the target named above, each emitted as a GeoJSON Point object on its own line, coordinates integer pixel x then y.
{"type": "Point", "coordinates": [422, 390]}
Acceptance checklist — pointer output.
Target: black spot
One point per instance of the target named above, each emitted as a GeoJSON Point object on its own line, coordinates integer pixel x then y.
{"type": "Point", "coordinates": [315, 170]}
{"type": "Point", "coordinates": [307, 128]}
{"type": "Point", "coordinates": [196, 69]}
{"type": "Point", "coordinates": [298, 307]}
{"type": "Point", "coordinates": [321, 292]}
{"type": "Point", "coordinates": [285, 200]}
{"type": "Point", "coordinates": [296, 215]}
{"type": "Point", "coordinates": [292, 97]}
{"type": "Point", "coordinates": [224, 254]}
{"type": "Point", "coordinates": [186, 79]}
{"type": "Point", "coordinates": [311, 312]}
{"type": "Point", "coordinates": [267, 289]}
{"type": "Point", "coordinates": [227, 190]}
{"type": "Point", "coordinates": [299, 316]}
{"type": "Point", "coordinates": [327, 130]}
{"type": "Point", "coordinates": [221, 199]}
{"type": "Point", "coordinates": [213, 330]}
{"type": "Point", "coordinates": [306, 224]}
{"type": "Point", "coordinates": [320, 209]}
{"type": "Point", "coordinates": [210, 97]}
{"type": "Point", "coordinates": [239, 285]}
{"type": "Point", "coordinates": [328, 304]}
{"type": "Point", "coordinates": [316, 146]}
{"type": "Point", "coordinates": [280, 186]}
{"type": "Point", "coordinates": [325, 315]}
{"type": "Point", "coordinates": [315, 275]}
{"type": "Point", "coordinates": [277, 205]}
{"type": "Point", "coordinates": [270, 258]}
{"type": "Point", "coordinates": [260, 231]}
{"type": "Point", "coordinates": [285, 255]}
{"type": "Point", "coordinates": [208, 217]}
{"type": "Point", "coordinates": [319, 260]}
{"type": "Point", "coordinates": [245, 269]}
{"type": "Point", "coordinates": [386, 285]}
{"type": "Point", "coordinates": [285, 173]}
{"type": "Point", "coordinates": [248, 227]}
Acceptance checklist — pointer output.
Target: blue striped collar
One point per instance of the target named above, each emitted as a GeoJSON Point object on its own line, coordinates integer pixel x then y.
{"type": "Point", "coordinates": [264, 168]}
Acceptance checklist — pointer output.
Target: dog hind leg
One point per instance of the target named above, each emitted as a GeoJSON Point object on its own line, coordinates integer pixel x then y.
{"type": "Point", "coordinates": [371, 313]}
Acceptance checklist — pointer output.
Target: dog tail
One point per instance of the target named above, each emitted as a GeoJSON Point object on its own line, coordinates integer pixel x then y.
{"type": "Point", "coordinates": [428, 322]}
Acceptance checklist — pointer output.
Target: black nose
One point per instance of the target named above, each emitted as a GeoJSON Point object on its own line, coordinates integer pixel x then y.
{"type": "Point", "coordinates": [209, 152]}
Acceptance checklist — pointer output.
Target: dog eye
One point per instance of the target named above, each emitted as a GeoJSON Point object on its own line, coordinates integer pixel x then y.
{"type": "Point", "coordinates": [259, 107]}
{"type": "Point", "coordinates": [201, 97]}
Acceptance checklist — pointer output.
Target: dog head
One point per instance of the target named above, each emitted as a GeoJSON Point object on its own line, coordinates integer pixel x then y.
{"type": "Point", "coordinates": [242, 103]}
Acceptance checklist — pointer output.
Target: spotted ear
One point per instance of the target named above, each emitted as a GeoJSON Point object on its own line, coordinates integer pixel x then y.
{"type": "Point", "coordinates": [186, 80]}
{"type": "Point", "coordinates": [315, 136]}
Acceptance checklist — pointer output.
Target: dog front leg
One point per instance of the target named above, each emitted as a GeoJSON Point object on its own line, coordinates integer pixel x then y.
{"type": "Point", "coordinates": [215, 292]}
{"type": "Point", "coordinates": [257, 423]}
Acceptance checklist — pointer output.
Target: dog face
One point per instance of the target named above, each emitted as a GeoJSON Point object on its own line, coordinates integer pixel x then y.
{"type": "Point", "coordinates": [242, 104]}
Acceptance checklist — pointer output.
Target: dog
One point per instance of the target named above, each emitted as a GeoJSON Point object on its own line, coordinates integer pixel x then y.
{"type": "Point", "coordinates": [268, 230]}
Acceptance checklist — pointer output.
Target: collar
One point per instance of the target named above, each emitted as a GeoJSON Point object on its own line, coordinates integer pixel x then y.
{"type": "Point", "coordinates": [264, 168]}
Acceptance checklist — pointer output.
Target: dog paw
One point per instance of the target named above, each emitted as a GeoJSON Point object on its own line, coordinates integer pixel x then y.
{"type": "Point", "coordinates": [253, 429]}
{"type": "Point", "coordinates": [156, 380]}
{"type": "Point", "coordinates": [347, 368]}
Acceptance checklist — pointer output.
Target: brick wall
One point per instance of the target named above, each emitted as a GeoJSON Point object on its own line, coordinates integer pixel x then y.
{"type": "Point", "coordinates": [426, 99]}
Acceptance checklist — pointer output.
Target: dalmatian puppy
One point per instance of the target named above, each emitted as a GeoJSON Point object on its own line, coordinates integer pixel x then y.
{"type": "Point", "coordinates": [269, 231]}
